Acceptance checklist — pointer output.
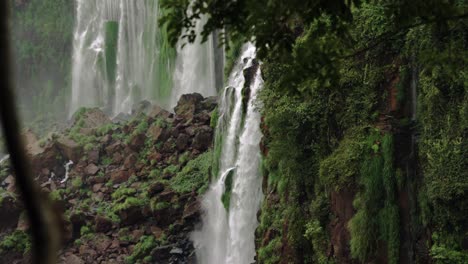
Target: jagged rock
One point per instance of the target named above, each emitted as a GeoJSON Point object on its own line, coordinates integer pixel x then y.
{"type": "Point", "coordinates": [97, 187]}
{"type": "Point", "coordinates": [130, 161]}
{"type": "Point", "coordinates": [113, 148]}
{"type": "Point", "coordinates": [210, 103]}
{"type": "Point", "coordinates": [93, 156]}
{"type": "Point", "coordinates": [155, 132]}
{"type": "Point", "coordinates": [91, 169]}
{"type": "Point", "coordinates": [182, 142]}
{"type": "Point", "coordinates": [117, 158]}
{"type": "Point", "coordinates": [119, 176]}
{"type": "Point", "coordinates": [70, 149]}
{"type": "Point", "coordinates": [137, 142]}
{"type": "Point", "coordinates": [188, 105]}
{"type": "Point", "coordinates": [47, 158]}
{"type": "Point", "coordinates": [156, 111]}
{"type": "Point", "coordinates": [203, 138]}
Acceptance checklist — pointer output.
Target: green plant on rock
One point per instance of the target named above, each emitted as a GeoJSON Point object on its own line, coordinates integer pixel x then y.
{"type": "Point", "coordinates": [142, 249]}
{"type": "Point", "coordinates": [194, 176]}
{"type": "Point", "coordinates": [17, 241]}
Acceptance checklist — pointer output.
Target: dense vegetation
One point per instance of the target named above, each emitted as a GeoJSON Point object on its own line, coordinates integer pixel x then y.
{"type": "Point", "coordinates": [338, 119]}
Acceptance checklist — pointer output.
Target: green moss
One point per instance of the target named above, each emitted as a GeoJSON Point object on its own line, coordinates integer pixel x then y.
{"type": "Point", "coordinates": [269, 253]}
{"type": "Point", "coordinates": [18, 241]}
{"type": "Point", "coordinates": [142, 249]}
{"type": "Point", "coordinates": [194, 176]}
{"type": "Point", "coordinates": [226, 196]}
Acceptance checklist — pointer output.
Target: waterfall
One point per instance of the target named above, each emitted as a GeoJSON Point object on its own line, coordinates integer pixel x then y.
{"type": "Point", "coordinates": [195, 67]}
{"type": "Point", "coordinates": [120, 55]}
{"type": "Point", "coordinates": [227, 236]}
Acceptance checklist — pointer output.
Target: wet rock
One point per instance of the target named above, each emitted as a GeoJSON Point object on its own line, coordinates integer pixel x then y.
{"type": "Point", "coordinates": [161, 253]}
{"type": "Point", "coordinates": [70, 149]}
{"type": "Point", "coordinates": [188, 105]}
{"type": "Point", "coordinates": [113, 148]}
{"type": "Point", "coordinates": [91, 169]}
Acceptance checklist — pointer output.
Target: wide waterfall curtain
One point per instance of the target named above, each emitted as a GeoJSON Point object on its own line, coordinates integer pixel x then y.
{"type": "Point", "coordinates": [45, 240]}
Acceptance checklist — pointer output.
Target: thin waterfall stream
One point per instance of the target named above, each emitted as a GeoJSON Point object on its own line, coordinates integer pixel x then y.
{"type": "Point", "coordinates": [227, 233]}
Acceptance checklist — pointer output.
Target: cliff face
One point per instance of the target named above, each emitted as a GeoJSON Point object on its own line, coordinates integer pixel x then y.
{"type": "Point", "coordinates": [126, 188]}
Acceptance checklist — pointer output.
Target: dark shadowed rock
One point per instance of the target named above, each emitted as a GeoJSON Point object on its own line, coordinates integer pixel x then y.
{"type": "Point", "coordinates": [102, 224]}
{"type": "Point", "coordinates": [156, 188]}
{"type": "Point", "coordinates": [203, 138]}
{"type": "Point", "coordinates": [11, 210]}
{"type": "Point", "coordinates": [69, 148]}
{"type": "Point", "coordinates": [182, 142]}
{"type": "Point", "coordinates": [192, 211]}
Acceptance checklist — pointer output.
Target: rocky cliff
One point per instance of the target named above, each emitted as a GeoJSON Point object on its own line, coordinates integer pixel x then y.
{"type": "Point", "coordinates": [126, 189]}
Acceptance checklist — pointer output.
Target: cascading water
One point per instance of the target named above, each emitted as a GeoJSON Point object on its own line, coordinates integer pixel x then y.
{"type": "Point", "coordinates": [227, 236]}
{"type": "Point", "coordinates": [195, 67]}
{"type": "Point", "coordinates": [120, 55]}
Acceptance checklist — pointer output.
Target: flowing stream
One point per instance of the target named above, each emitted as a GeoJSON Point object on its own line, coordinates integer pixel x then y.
{"type": "Point", "coordinates": [227, 235]}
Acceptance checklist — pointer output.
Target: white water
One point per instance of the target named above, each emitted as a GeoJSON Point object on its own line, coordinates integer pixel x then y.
{"type": "Point", "coordinates": [195, 67]}
{"type": "Point", "coordinates": [228, 237]}
{"type": "Point", "coordinates": [139, 58]}
{"type": "Point", "coordinates": [67, 170]}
